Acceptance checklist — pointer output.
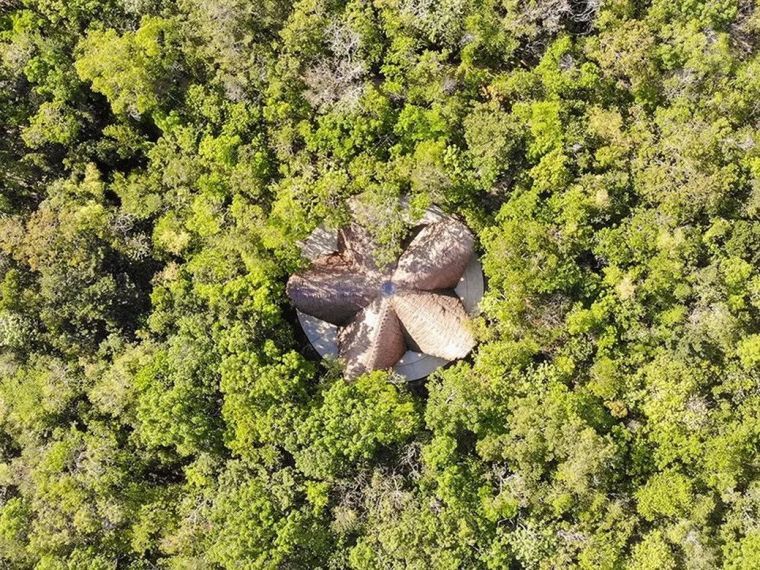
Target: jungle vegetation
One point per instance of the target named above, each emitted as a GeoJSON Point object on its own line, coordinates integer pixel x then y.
{"type": "Point", "coordinates": [160, 160]}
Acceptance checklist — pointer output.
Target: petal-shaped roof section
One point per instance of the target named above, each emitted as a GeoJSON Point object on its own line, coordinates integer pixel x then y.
{"type": "Point", "coordinates": [436, 323]}
{"type": "Point", "coordinates": [437, 257]}
{"type": "Point", "coordinates": [374, 340]}
{"type": "Point", "coordinates": [332, 290]}
{"type": "Point", "coordinates": [357, 245]}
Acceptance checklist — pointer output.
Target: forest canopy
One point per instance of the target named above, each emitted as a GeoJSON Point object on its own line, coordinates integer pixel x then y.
{"type": "Point", "coordinates": [159, 404]}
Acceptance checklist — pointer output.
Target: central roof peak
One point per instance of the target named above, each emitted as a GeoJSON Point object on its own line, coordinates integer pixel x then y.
{"type": "Point", "coordinates": [387, 289]}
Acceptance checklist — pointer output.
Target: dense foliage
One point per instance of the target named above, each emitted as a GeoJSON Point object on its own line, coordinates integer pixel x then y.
{"type": "Point", "coordinates": [159, 407]}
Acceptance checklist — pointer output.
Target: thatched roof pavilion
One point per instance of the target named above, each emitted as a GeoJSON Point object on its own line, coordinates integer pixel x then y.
{"type": "Point", "coordinates": [407, 315]}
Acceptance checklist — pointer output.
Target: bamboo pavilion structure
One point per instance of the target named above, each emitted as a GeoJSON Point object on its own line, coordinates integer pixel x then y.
{"type": "Point", "coordinates": [411, 315]}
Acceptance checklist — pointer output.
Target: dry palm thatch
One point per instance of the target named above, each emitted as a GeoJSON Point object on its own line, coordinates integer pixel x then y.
{"type": "Point", "coordinates": [437, 257]}
{"type": "Point", "coordinates": [373, 340]}
{"type": "Point", "coordinates": [357, 245]}
{"type": "Point", "coordinates": [384, 311]}
{"type": "Point", "coordinates": [436, 323]}
{"type": "Point", "coordinates": [332, 290]}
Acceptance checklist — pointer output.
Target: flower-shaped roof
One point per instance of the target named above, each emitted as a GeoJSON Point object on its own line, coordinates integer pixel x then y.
{"type": "Point", "coordinates": [381, 312]}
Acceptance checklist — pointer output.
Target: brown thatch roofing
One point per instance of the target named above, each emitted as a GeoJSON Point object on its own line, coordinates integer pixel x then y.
{"type": "Point", "coordinates": [373, 340]}
{"type": "Point", "coordinates": [379, 310]}
{"type": "Point", "coordinates": [357, 245]}
{"type": "Point", "coordinates": [437, 257]}
{"type": "Point", "coordinates": [332, 289]}
{"type": "Point", "coordinates": [436, 323]}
